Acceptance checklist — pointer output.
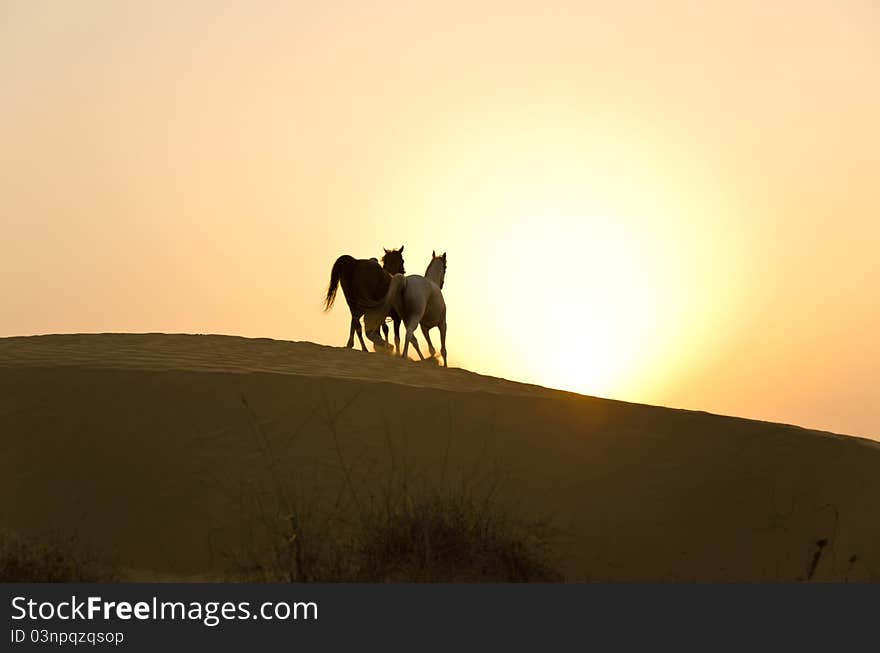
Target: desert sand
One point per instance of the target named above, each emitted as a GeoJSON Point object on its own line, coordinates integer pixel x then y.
{"type": "Point", "coordinates": [158, 449]}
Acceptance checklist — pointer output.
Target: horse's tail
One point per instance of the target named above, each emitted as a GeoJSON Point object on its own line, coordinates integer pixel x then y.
{"type": "Point", "coordinates": [375, 311]}
{"type": "Point", "coordinates": [342, 267]}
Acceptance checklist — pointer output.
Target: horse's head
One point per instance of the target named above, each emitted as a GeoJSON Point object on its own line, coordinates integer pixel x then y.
{"type": "Point", "coordinates": [392, 261]}
{"type": "Point", "coordinates": [436, 270]}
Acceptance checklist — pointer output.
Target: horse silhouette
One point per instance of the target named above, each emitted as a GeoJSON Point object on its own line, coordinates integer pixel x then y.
{"type": "Point", "coordinates": [418, 301]}
{"type": "Point", "coordinates": [364, 282]}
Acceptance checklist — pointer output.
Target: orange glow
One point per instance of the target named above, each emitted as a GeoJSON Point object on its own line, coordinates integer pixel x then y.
{"type": "Point", "coordinates": [668, 203]}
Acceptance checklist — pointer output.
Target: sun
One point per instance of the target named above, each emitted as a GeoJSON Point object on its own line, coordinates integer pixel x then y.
{"type": "Point", "coordinates": [601, 268]}
{"type": "Point", "coordinates": [607, 301]}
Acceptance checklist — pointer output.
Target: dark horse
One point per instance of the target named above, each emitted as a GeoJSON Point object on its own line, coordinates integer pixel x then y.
{"type": "Point", "coordinates": [364, 282]}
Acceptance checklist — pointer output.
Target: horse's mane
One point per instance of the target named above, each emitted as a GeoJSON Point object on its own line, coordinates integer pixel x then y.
{"type": "Point", "coordinates": [436, 260]}
{"type": "Point", "coordinates": [433, 261]}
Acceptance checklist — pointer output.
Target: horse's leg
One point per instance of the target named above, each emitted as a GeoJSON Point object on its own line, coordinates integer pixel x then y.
{"type": "Point", "coordinates": [427, 334]}
{"type": "Point", "coordinates": [416, 345]}
{"type": "Point", "coordinates": [351, 331]}
{"type": "Point", "coordinates": [411, 337]}
{"type": "Point", "coordinates": [385, 332]}
{"type": "Point", "coordinates": [376, 338]}
{"type": "Point", "coordinates": [442, 327]}
{"type": "Point", "coordinates": [397, 335]}
{"type": "Point", "coordinates": [405, 351]}
{"type": "Point", "coordinates": [356, 323]}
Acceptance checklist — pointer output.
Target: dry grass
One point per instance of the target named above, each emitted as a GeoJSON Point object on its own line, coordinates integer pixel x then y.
{"type": "Point", "coordinates": [435, 538]}
{"type": "Point", "coordinates": [451, 538]}
{"type": "Point", "coordinates": [56, 561]}
{"type": "Point", "coordinates": [407, 530]}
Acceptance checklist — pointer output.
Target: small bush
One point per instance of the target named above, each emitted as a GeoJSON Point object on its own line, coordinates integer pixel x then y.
{"type": "Point", "coordinates": [434, 538]}
{"type": "Point", "coordinates": [451, 539]}
{"type": "Point", "coordinates": [411, 531]}
{"type": "Point", "coordinates": [26, 561]}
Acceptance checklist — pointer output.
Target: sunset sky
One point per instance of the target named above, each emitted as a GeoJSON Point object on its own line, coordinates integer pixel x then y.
{"type": "Point", "coordinates": [673, 202]}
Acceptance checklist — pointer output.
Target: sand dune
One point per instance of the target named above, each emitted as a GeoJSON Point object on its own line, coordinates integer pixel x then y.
{"type": "Point", "coordinates": [156, 448]}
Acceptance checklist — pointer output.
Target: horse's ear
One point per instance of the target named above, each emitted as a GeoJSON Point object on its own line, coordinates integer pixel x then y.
{"type": "Point", "coordinates": [401, 249]}
{"type": "Point", "coordinates": [444, 257]}
{"type": "Point", "coordinates": [433, 254]}
{"type": "Point", "coordinates": [386, 250]}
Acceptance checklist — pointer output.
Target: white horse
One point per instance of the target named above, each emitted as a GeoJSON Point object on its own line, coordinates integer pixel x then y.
{"type": "Point", "coordinates": [418, 301]}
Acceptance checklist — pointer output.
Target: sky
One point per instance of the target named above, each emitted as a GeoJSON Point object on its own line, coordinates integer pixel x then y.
{"type": "Point", "coordinates": [672, 202]}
